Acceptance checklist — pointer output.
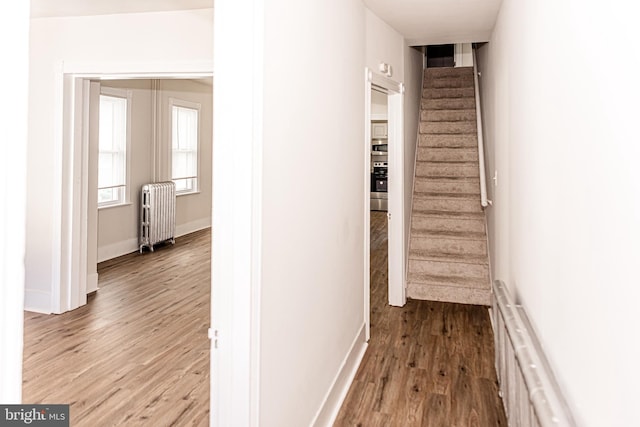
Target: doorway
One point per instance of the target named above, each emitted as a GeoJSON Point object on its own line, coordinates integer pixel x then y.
{"type": "Point", "coordinates": [379, 150]}
{"type": "Point", "coordinates": [79, 201]}
{"type": "Point", "coordinates": [440, 55]}
{"type": "Point", "coordinates": [378, 87]}
{"type": "Point", "coordinates": [149, 147]}
{"type": "Point", "coordinates": [74, 273]}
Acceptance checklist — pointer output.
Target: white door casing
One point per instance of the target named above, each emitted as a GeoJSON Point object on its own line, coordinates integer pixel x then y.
{"type": "Point", "coordinates": [73, 273]}
{"type": "Point", "coordinates": [237, 213]}
{"type": "Point", "coordinates": [395, 186]}
{"type": "Point", "coordinates": [14, 31]}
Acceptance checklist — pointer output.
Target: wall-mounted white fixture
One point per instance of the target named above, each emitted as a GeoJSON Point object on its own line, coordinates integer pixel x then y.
{"type": "Point", "coordinates": [385, 69]}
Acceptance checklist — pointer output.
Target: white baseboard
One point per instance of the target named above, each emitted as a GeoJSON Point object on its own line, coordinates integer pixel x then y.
{"type": "Point", "coordinates": [332, 402]}
{"type": "Point", "coordinates": [193, 226]}
{"type": "Point", "coordinates": [37, 301]}
{"type": "Point", "coordinates": [131, 245]}
{"type": "Point", "coordinates": [92, 282]}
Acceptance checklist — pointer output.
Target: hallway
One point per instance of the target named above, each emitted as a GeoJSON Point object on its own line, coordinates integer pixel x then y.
{"type": "Point", "coordinates": [427, 364]}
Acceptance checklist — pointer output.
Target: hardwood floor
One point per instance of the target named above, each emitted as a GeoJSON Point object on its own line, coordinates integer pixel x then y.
{"type": "Point", "coordinates": [138, 352]}
{"type": "Point", "coordinates": [427, 364]}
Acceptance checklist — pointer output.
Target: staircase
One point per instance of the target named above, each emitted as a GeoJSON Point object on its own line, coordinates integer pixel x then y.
{"type": "Point", "coordinates": [448, 243]}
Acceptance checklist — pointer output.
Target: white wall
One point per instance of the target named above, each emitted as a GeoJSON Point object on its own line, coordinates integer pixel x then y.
{"type": "Point", "coordinates": [14, 27]}
{"type": "Point", "coordinates": [118, 226]}
{"type": "Point", "coordinates": [463, 55]}
{"type": "Point", "coordinates": [413, 73]}
{"type": "Point", "coordinates": [312, 213]}
{"type": "Point", "coordinates": [145, 39]}
{"type": "Point", "coordinates": [383, 44]}
{"type": "Point", "coordinates": [559, 96]}
{"type": "Point", "coordinates": [379, 105]}
{"type": "Point", "coordinates": [298, 259]}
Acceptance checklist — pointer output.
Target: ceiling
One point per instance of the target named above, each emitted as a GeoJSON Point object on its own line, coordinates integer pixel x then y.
{"type": "Point", "coordinates": [53, 8]}
{"type": "Point", "coordinates": [421, 22]}
{"type": "Point", "coordinates": [424, 22]}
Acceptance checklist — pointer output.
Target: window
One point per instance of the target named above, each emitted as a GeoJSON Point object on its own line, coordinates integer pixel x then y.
{"type": "Point", "coordinates": [113, 142]}
{"type": "Point", "coordinates": [184, 146]}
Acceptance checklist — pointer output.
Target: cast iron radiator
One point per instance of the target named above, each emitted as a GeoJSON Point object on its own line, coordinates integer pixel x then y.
{"type": "Point", "coordinates": [531, 395]}
{"type": "Point", "coordinates": [157, 214]}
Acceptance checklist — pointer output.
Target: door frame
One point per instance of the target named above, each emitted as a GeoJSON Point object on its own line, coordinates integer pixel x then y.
{"type": "Point", "coordinates": [13, 186]}
{"type": "Point", "coordinates": [72, 205]}
{"type": "Point", "coordinates": [395, 185]}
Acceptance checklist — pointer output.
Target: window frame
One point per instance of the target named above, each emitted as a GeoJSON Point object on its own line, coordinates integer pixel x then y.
{"type": "Point", "coordinates": [176, 102]}
{"type": "Point", "coordinates": [126, 94]}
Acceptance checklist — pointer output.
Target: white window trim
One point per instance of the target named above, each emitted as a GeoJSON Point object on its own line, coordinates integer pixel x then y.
{"type": "Point", "coordinates": [128, 95]}
{"type": "Point", "coordinates": [194, 106]}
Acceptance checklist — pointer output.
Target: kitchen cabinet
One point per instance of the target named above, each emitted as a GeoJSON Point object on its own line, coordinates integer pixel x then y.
{"type": "Point", "coordinates": [379, 130]}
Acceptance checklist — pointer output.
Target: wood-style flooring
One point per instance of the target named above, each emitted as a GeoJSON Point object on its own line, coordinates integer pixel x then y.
{"type": "Point", "coordinates": [138, 352]}
{"type": "Point", "coordinates": [427, 364]}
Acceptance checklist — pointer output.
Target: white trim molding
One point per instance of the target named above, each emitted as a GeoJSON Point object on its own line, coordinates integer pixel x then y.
{"type": "Point", "coordinates": [395, 114]}
{"type": "Point", "coordinates": [237, 220]}
{"type": "Point", "coordinates": [14, 29]}
{"type": "Point", "coordinates": [334, 398]}
{"type": "Point", "coordinates": [367, 204]}
{"type": "Point", "coordinates": [69, 276]}
{"type": "Point", "coordinates": [168, 140]}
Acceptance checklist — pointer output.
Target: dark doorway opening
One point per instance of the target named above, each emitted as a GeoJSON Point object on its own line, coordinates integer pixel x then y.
{"type": "Point", "coordinates": [440, 56]}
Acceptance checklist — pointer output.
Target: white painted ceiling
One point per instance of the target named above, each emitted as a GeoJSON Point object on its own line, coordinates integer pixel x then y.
{"type": "Point", "coordinates": [421, 22]}
{"type": "Point", "coordinates": [424, 22]}
{"type": "Point", "coordinates": [52, 8]}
